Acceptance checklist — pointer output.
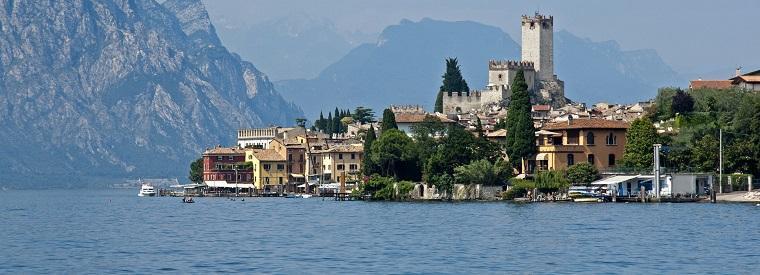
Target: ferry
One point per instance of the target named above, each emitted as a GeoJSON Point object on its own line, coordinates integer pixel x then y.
{"type": "Point", "coordinates": [147, 190]}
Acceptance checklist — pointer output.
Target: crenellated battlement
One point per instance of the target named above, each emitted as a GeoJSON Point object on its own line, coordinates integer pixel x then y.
{"type": "Point", "coordinates": [410, 109]}
{"type": "Point", "coordinates": [545, 21]}
{"type": "Point", "coordinates": [503, 65]}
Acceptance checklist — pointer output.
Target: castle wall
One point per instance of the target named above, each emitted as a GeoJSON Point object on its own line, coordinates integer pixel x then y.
{"type": "Point", "coordinates": [477, 100]}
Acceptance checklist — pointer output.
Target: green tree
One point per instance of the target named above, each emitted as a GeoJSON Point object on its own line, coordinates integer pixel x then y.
{"type": "Point", "coordinates": [521, 140]}
{"type": "Point", "coordinates": [457, 148]}
{"type": "Point", "coordinates": [705, 154]}
{"type": "Point", "coordinates": [664, 103]}
{"type": "Point", "coordinates": [368, 166]}
{"type": "Point", "coordinates": [391, 151]}
{"type": "Point", "coordinates": [483, 172]}
{"type": "Point", "coordinates": [363, 115]}
{"type": "Point", "coordinates": [479, 128]}
{"type": "Point", "coordinates": [329, 126]}
{"type": "Point", "coordinates": [583, 173]}
{"type": "Point", "coordinates": [439, 102]}
{"type": "Point", "coordinates": [196, 171]}
{"type": "Point", "coordinates": [453, 82]}
{"type": "Point", "coordinates": [551, 181]}
{"type": "Point", "coordinates": [337, 127]}
{"type": "Point", "coordinates": [682, 103]}
{"type": "Point", "coordinates": [389, 120]}
{"type": "Point", "coordinates": [639, 153]}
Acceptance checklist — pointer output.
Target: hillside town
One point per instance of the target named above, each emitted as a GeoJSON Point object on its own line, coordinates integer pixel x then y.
{"type": "Point", "coordinates": [330, 158]}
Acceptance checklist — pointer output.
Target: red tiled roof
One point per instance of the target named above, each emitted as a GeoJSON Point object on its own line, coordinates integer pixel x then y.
{"type": "Point", "coordinates": [710, 84]}
{"type": "Point", "coordinates": [587, 124]}
{"type": "Point", "coordinates": [542, 108]}
{"type": "Point", "coordinates": [224, 151]}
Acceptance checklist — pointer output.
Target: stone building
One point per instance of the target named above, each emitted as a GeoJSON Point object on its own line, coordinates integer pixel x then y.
{"type": "Point", "coordinates": [537, 65]}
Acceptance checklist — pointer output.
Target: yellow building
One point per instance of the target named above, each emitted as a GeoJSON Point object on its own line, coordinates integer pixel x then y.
{"type": "Point", "coordinates": [269, 171]}
{"type": "Point", "coordinates": [562, 144]}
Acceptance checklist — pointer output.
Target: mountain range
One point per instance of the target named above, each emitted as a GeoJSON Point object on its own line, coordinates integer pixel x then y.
{"type": "Point", "coordinates": [405, 66]}
{"type": "Point", "coordinates": [94, 91]}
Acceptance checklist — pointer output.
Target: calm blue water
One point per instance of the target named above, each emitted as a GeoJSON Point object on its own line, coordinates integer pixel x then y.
{"type": "Point", "coordinates": [114, 231]}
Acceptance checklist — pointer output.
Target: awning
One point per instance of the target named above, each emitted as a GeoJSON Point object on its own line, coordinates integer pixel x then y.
{"type": "Point", "coordinates": [542, 156]}
{"type": "Point", "coordinates": [304, 185]}
{"type": "Point", "coordinates": [547, 133]}
{"type": "Point", "coordinates": [296, 175]}
{"type": "Point", "coordinates": [225, 184]}
{"type": "Point", "coordinates": [614, 180]}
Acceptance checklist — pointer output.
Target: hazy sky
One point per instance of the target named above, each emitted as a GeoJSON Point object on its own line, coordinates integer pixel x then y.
{"type": "Point", "coordinates": [692, 36]}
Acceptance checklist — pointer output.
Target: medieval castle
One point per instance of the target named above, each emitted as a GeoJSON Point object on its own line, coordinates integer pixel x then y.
{"type": "Point", "coordinates": [537, 65]}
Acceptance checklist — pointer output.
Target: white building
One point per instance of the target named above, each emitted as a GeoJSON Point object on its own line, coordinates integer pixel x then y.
{"type": "Point", "coordinates": [256, 137]}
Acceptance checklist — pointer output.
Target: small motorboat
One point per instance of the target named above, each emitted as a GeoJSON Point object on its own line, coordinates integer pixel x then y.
{"type": "Point", "coordinates": [588, 199]}
{"type": "Point", "coordinates": [305, 196]}
{"type": "Point", "coordinates": [147, 190]}
{"type": "Point", "coordinates": [188, 200]}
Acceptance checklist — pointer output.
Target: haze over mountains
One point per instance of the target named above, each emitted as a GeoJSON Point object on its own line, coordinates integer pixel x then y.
{"type": "Point", "coordinates": [93, 90]}
{"type": "Point", "coordinates": [405, 66]}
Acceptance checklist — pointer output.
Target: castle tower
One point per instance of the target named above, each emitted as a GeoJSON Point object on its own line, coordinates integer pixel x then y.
{"type": "Point", "coordinates": [538, 44]}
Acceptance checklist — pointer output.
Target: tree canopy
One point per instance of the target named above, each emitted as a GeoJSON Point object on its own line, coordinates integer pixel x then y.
{"type": "Point", "coordinates": [583, 173]}
{"type": "Point", "coordinates": [196, 171]}
{"type": "Point", "coordinates": [639, 153]}
{"type": "Point", "coordinates": [389, 120]}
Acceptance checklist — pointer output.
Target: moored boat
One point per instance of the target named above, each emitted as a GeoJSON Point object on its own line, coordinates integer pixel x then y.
{"type": "Point", "coordinates": [147, 190]}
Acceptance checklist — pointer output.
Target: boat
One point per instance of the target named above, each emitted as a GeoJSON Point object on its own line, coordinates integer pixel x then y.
{"type": "Point", "coordinates": [147, 190]}
{"type": "Point", "coordinates": [305, 196]}
{"type": "Point", "coordinates": [188, 200]}
{"type": "Point", "coordinates": [588, 199]}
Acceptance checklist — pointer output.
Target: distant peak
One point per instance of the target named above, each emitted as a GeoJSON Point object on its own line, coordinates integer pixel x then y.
{"type": "Point", "coordinates": [195, 21]}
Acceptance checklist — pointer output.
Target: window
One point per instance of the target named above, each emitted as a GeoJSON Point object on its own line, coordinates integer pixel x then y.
{"type": "Point", "coordinates": [340, 166]}
{"type": "Point", "coordinates": [280, 166]}
{"type": "Point", "coordinates": [590, 138]}
{"type": "Point", "coordinates": [231, 157]}
{"type": "Point", "coordinates": [570, 159]}
{"type": "Point", "coordinates": [611, 139]}
{"type": "Point", "coordinates": [267, 166]}
{"type": "Point", "coordinates": [572, 136]}
{"type": "Point", "coordinates": [611, 160]}
{"type": "Point", "coordinates": [352, 167]}
{"type": "Point", "coordinates": [280, 180]}
{"type": "Point", "coordinates": [219, 158]}
{"type": "Point", "coordinates": [353, 156]}
{"type": "Point", "coordinates": [340, 156]}
{"type": "Point", "coordinates": [266, 180]}
{"type": "Point", "coordinates": [591, 158]}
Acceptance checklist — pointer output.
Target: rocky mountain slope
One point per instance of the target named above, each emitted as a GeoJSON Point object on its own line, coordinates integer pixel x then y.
{"type": "Point", "coordinates": [93, 90]}
{"type": "Point", "coordinates": [406, 64]}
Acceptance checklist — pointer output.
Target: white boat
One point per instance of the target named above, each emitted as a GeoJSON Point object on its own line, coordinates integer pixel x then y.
{"type": "Point", "coordinates": [147, 190]}
{"type": "Point", "coordinates": [305, 196]}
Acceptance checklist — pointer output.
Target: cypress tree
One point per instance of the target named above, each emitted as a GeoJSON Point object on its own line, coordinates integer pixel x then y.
{"type": "Point", "coordinates": [453, 82]}
{"type": "Point", "coordinates": [321, 122]}
{"type": "Point", "coordinates": [520, 130]}
{"type": "Point", "coordinates": [389, 120]}
{"type": "Point", "coordinates": [329, 124]}
{"type": "Point", "coordinates": [368, 167]}
{"type": "Point", "coordinates": [479, 128]}
{"type": "Point", "coordinates": [439, 102]}
{"type": "Point", "coordinates": [336, 122]}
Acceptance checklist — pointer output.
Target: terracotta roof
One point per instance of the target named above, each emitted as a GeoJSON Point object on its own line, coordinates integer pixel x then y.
{"type": "Point", "coordinates": [747, 78]}
{"type": "Point", "coordinates": [542, 108]}
{"type": "Point", "coordinates": [268, 155]}
{"type": "Point", "coordinates": [497, 133]}
{"type": "Point", "coordinates": [417, 118]}
{"type": "Point", "coordinates": [710, 84]}
{"type": "Point", "coordinates": [224, 151]}
{"type": "Point", "coordinates": [346, 149]}
{"type": "Point", "coordinates": [585, 123]}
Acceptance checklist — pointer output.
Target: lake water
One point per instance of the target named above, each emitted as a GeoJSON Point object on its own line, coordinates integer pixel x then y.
{"type": "Point", "coordinates": [114, 231]}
